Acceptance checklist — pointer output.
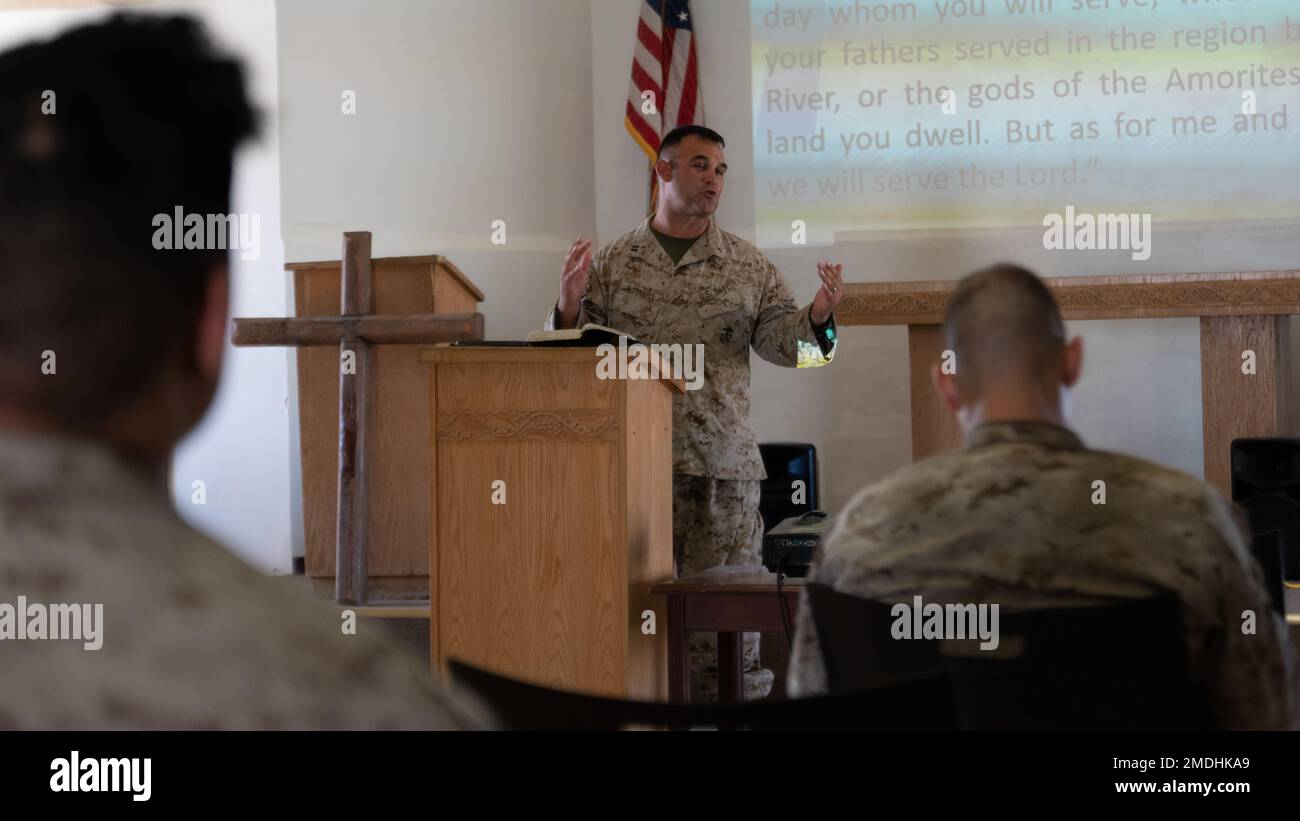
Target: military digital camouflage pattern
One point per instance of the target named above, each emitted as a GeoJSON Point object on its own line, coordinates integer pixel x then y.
{"type": "Point", "coordinates": [1010, 519]}
{"type": "Point", "coordinates": [716, 522]}
{"type": "Point", "coordinates": [724, 294]}
{"type": "Point", "coordinates": [191, 637]}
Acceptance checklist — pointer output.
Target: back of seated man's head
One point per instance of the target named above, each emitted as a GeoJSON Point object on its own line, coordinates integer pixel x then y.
{"type": "Point", "coordinates": [101, 129]}
{"type": "Point", "coordinates": [1009, 350]}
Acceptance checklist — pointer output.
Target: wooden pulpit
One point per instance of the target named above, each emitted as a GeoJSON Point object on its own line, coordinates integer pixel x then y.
{"type": "Point", "coordinates": [551, 517]}
{"type": "Point", "coordinates": [397, 522]}
{"type": "Point", "coordinates": [1238, 311]}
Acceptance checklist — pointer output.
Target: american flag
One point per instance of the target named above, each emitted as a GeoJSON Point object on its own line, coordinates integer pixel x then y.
{"type": "Point", "coordinates": [663, 63]}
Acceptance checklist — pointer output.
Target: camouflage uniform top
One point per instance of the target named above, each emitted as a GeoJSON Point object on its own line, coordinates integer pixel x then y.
{"type": "Point", "coordinates": [1010, 519]}
{"type": "Point", "coordinates": [191, 637]}
{"type": "Point", "coordinates": [724, 294]}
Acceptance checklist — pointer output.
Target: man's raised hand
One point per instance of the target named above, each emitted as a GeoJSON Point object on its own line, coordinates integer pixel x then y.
{"type": "Point", "coordinates": [573, 282]}
{"type": "Point", "coordinates": [831, 292]}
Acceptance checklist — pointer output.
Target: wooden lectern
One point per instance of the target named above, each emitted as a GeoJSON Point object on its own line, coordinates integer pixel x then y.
{"type": "Point", "coordinates": [398, 525]}
{"type": "Point", "coordinates": [551, 517]}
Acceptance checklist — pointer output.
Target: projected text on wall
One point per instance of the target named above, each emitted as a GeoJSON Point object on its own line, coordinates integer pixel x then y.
{"type": "Point", "coordinates": [952, 114]}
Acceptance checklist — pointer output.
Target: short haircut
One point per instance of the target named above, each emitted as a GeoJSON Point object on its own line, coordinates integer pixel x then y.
{"type": "Point", "coordinates": [1002, 321]}
{"type": "Point", "coordinates": [145, 117]}
{"type": "Point", "coordinates": [681, 132]}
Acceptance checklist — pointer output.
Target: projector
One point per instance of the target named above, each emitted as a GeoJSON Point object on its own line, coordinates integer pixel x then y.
{"type": "Point", "coordinates": [788, 547]}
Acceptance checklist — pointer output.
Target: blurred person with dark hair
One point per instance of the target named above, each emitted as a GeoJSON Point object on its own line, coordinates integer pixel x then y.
{"type": "Point", "coordinates": [148, 118]}
{"type": "Point", "coordinates": [1010, 519]}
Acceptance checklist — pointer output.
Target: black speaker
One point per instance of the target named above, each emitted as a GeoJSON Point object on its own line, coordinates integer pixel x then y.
{"type": "Point", "coordinates": [786, 463]}
{"type": "Point", "coordinates": [1266, 482]}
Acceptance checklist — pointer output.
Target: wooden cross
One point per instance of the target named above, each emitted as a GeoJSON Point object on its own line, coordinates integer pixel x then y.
{"type": "Point", "coordinates": [356, 332]}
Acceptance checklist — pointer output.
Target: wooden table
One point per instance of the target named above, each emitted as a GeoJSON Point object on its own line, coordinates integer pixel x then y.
{"type": "Point", "coordinates": [728, 600]}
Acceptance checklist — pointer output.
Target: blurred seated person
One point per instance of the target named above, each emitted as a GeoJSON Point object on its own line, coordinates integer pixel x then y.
{"type": "Point", "coordinates": [1010, 519]}
{"type": "Point", "coordinates": [147, 119]}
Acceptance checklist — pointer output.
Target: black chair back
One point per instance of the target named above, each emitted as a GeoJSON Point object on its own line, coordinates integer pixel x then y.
{"type": "Point", "coordinates": [1266, 547]}
{"type": "Point", "coordinates": [1266, 483]}
{"type": "Point", "coordinates": [911, 703]}
{"type": "Point", "coordinates": [1108, 667]}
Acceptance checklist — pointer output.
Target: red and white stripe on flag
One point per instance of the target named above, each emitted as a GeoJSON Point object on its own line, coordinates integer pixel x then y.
{"type": "Point", "coordinates": [663, 64]}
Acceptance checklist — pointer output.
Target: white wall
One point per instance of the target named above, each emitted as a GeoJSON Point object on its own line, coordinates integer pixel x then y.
{"type": "Point", "coordinates": [1140, 391]}
{"type": "Point", "coordinates": [240, 450]}
{"type": "Point", "coordinates": [466, 113]}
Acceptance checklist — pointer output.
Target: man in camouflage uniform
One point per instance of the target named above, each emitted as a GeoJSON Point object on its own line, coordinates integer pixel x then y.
{"type": "Point", "coordinates": [192, 638]}
{"type": "Point", "coordinates": [678, 278]}
{"type": "Point", "coordinates": [187, 635]}
{"type": "Point", "coordinates": [1010, 518]}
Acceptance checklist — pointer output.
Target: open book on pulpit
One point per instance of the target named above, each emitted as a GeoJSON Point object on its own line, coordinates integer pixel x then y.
{"type": "Point", "coordinates": [588, 335]}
